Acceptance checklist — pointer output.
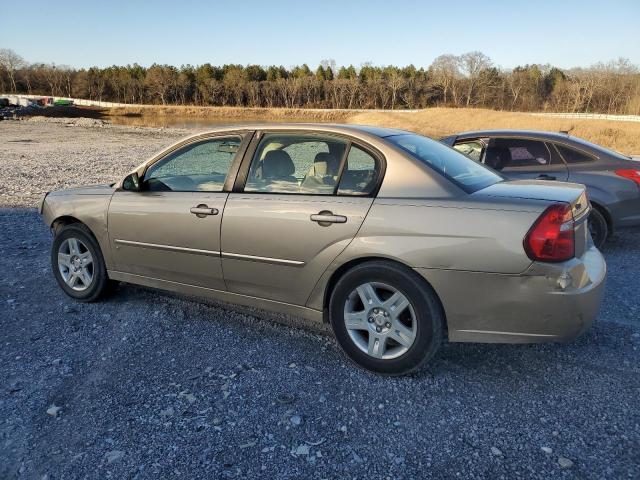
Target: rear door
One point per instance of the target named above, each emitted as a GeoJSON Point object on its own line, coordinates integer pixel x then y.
{"type": "Point", "coordinates": [522, 158]}
{"type": "Point", "coordinates": [299, 200]}
{"type": "Point", "coordinates": [171, 229]}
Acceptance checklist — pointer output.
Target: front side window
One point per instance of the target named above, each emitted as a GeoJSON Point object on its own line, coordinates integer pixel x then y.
{"type": "Point", "coordinates": [472, 149]}
{"type": "Point", "coordinates": [504, 153]}
{"type": "Point", "coordinates": [198, 167]}
{"type": "Point", "coordinates": [463, 171]}
{"type": "Point", "coordinates": [311, 164]}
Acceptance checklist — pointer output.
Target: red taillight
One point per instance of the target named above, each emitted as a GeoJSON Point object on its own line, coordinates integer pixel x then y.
{"type": "Point", "coordinates": [630, 173]}
{"type": "Point", "coordinates": [552, 237]}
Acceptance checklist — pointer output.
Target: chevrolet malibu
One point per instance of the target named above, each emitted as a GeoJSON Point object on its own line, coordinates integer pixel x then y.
{"type": "Point", "coordinates": [396, 240]}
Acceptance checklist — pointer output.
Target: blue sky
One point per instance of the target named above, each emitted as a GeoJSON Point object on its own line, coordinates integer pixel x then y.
{"type": "Point", "coordinates": [84, 33]}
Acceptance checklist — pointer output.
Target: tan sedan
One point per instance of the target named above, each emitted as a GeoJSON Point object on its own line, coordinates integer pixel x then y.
{"type": "Point", "coordinates": [395, 239]}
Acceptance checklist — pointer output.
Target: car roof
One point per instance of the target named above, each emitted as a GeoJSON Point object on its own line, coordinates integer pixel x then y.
{"type": "Point", "coordinates": [517, 133]}
{"type": "Point", "coordinates": [346, 128]}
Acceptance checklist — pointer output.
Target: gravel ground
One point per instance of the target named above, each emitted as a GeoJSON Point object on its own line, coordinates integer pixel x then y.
{"type": "Point", "coordinates": [152, 385]}
{"type": "Point", "coordinates": [42, 154]}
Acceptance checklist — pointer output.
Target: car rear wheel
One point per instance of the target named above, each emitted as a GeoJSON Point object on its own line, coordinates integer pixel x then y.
{"type": "Point", "coordinates": [386, 318]}
{"type": "Point", "coordinates": [598, 228]}
{"type": "Point", "coordinates": [78, 265]}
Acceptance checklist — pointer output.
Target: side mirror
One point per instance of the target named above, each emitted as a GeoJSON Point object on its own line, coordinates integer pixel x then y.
{"type": "Point", "coordinates": [131, 183]}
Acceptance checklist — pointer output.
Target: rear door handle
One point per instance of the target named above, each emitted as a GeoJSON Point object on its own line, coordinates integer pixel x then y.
{"type": "Point", "coordinates": [203, 210]}
{"type": "Point", "coordinates": [544, 176]}
{"type": "Point", "coordinates": [326, 218]}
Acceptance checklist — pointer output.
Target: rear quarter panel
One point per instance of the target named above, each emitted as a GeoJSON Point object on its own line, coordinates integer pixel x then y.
{"type": "Point", "coordinates": [619, 196]}
{"type": "Point", "coordinates": [440, 234]}
{"type": "Point", "coordinates": [453, 235]}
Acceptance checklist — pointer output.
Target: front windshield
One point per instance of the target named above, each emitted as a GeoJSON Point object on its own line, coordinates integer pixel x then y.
{"type": "Point", "coordinates": [467, 174]}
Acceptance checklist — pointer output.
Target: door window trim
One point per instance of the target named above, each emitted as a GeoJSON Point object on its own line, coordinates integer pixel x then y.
{"type": "Point", "coordinates": [249, 154]}
{"type": "Point", "coordinates": [245, 140]}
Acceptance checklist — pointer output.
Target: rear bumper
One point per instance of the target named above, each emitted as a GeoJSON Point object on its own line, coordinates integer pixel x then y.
{"type": "Point", "coordinates": [528, 308]}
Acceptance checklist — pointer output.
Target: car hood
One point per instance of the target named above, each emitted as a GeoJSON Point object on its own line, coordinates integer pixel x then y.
{"type": "Point", "coordinates": [534, 190]}
{"type": "Point", "coordinates": [86, 190]}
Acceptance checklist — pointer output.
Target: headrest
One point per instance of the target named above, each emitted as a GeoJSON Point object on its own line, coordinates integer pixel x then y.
{"type": "Point", "coordinates": [277, 163]}
{"type": "Point", "coordinates": [497, 157]}
{"type": "Point", "coordinates": [325, 164]}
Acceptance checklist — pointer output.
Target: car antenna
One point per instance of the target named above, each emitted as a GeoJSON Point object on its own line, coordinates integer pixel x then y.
{"type": "Point", "coordinates": [566, 132]}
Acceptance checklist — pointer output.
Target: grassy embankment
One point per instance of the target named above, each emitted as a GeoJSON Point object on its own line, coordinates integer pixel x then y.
{"type": "Point", "coordinates": [433, 122]}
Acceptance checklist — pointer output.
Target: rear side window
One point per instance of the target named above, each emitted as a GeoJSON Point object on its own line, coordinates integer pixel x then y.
{"type": "Point", "coordinates": [571, 155]}
{"type": "Point", "coordinates": [360, 173]}
{"type": "Point", "coordinates": [461, 170]}
{"type": "Point", "coordinates": [291, 163]}
{"type": "Point", "coordinates": [519, 153]}
{"type": "Point", "coordinates": [312, 165]}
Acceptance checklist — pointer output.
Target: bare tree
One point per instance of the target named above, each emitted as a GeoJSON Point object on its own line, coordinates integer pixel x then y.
{"type": "Point", "coordinates": [11, 61]}
{"type": "Point", "coordinates": [396, 84]}
{"type": "Point", "coordinates": [445, 71]}
{"type": "Point", "coordinates": [472, 65]}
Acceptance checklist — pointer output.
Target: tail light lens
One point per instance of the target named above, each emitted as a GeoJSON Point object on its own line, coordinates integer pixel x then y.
{"type": "Point", "coordinates": [552, 237]}
{"type": "Point", "coordinates": [630, 173]}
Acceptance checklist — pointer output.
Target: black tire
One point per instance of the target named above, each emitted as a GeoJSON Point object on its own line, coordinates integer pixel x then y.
{"type": "Point", "coordinates": [423, 300]}
{"type": "Point", "coordinates": [100, 284]}
{"type": "Point", "coordinates": [598, 227]}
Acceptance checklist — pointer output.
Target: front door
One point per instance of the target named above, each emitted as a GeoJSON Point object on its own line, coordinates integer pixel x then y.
{"type": "Point", "coordinates": [304, 200]}
{"type": "Point", "coordinates": [171, 229]}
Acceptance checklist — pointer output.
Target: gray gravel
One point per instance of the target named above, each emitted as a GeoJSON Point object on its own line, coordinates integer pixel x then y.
{"type": "Point", "coordinates": [42, 154]}
{"type": "Point", "coordinates": [154, 385]}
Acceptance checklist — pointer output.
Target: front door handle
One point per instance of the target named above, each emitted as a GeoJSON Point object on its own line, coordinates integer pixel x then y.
{"type": "Point", "coordinates": [326, 218]}
{"type": "Point", "coordinates": [203, 210]}
{"type": "Point", "coordinates": [544, 176]}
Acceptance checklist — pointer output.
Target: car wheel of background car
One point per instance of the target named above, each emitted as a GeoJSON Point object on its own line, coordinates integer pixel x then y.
{"type": "Point", "coordinates": [78, 265]}
{"type": "Point", "coordinates": [386, 318]}
{"type": "Point", "coordinates": [598, 228]}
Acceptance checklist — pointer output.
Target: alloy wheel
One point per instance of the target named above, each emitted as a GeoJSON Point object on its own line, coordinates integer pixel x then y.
{"type": "Point", "coordinates": [75, 264]}
{"type": "Point", "coordinates": [380, 320]}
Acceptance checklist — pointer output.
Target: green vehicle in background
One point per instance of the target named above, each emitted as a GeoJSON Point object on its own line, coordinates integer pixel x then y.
{"type": "Point", "coordinates": [60, 102]}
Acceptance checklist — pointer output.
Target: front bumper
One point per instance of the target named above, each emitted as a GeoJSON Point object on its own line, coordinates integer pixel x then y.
{"type": "Point", "coordinates": [41, 202]}
{"type": "Point", "coordinates": [531, 307]}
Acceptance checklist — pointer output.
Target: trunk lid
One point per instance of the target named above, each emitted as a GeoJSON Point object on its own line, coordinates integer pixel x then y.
{"type": "Point", "coordinates": [549, 191]}
{"type": "Point", "coordinates": [571, 193]}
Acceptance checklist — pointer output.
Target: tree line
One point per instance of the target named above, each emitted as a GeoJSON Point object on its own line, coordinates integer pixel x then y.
{"type": "Point", "coordinates": [467, 80]}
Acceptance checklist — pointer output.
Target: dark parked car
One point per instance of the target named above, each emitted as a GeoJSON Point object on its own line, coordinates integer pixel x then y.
{"type": "Point", "coordinates": [612, 179]}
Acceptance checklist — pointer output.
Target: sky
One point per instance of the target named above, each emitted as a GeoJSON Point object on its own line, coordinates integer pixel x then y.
{"type": "Point", "coordinates": [564, 33]}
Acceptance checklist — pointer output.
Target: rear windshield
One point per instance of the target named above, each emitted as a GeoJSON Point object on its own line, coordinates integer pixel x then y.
{"type": "Point", "coordinates": [461, 170]}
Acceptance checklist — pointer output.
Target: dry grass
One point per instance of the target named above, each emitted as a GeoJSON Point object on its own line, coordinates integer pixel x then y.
{"type": "Point", "coordinates": [433, 122]}
{"type": "Point", "coordinates": [191, 112]}
{"type": "Point", "coordinates": [437, 122]}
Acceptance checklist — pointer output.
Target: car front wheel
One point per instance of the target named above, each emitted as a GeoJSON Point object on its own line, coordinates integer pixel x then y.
{"type": "Point", "coordinates": [386, 318]}
{"type": "Point", "coordinates": [78, 265]}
